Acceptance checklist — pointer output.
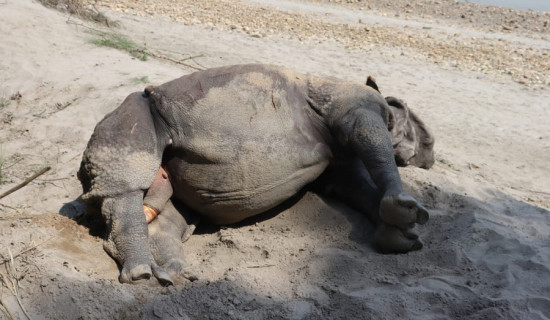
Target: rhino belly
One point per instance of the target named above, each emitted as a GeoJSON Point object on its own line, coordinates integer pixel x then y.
{"type": "Point", "coordinates": [245, 145]}
{"type": "Point", "coordinates": [229, 192]}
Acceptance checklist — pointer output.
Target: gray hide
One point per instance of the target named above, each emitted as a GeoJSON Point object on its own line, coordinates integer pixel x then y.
{"type": "Point", "coordinates": [237, 141]}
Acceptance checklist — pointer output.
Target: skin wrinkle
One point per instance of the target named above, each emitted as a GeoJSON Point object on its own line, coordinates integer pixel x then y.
{"type": "Point", "coordinates": [379, 154]}
{"type": "Point", "coordinates": [114, 175]}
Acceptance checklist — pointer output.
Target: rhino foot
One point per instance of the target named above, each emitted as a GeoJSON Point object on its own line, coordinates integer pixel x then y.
{"type": "Point", "coordinates": [402, 210]}
{"type": "Point", "coordinates": [177, 268]}
{"type": "Point", "coordinates": [390, 239]}
{"type": "Point", "coordinates": [396, 232]}
{"type": "Point", "coordinates": [133, 273]}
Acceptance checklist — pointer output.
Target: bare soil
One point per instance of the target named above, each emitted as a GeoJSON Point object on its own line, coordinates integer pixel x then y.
{"type": "Point", "coordinates": [479, 76]}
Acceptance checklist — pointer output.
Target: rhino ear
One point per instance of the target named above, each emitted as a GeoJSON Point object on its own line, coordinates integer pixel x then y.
{"type": "Point", "coordinates": [371, 82]}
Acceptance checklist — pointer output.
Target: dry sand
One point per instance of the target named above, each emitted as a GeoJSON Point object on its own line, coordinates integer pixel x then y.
{"type": "Point", "coordinates": [482, 84]}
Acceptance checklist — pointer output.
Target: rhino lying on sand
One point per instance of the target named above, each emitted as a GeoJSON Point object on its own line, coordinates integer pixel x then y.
{"type": "Point", "coordinates": [232, 142]}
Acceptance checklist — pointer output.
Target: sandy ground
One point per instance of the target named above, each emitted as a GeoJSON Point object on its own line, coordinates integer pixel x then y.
{"type": "Point", "coordinates": [487, 244]}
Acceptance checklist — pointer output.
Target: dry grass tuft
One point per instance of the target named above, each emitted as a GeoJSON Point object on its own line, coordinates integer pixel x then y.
{"type": "Point", "coordinates": [80, 9]}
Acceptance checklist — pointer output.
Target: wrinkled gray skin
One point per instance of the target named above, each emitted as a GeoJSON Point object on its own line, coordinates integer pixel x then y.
{"type": "Point", "coordinates": [237, 141]}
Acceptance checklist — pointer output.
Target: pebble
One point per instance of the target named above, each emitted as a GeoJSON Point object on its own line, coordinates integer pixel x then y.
{"type": "Point", "coordinates": [230, 278]}
{"type": "Point", "coordinates": [486, 55]}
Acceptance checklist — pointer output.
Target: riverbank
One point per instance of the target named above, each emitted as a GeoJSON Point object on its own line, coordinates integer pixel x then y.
{"type": "Point", "coordinates": [454, 34]}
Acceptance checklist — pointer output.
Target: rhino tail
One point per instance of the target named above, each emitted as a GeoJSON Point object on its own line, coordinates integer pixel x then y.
{"type": "Point", "coordinates": [148, 91]}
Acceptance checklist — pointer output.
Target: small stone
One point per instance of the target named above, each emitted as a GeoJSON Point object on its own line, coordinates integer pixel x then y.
{"type": "Point", "coordinates": [230, 278]}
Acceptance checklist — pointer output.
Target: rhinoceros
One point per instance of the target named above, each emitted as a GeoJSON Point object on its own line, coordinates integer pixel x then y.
{"type": "Point", "coordinates": [232, 142]}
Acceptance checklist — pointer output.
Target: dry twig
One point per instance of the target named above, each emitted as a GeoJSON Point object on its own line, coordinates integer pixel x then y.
{"type": "Point", "coordinates": [13, 277]}
{"type": "Point", "coordinates": [261, 266]}
{"type": "Point", "coordinates": [24, 183]}
{"type": "Point", "coordinates": [14, 281]}
{"type": "Point", "coordinates": [78, 24]}
{"type": "Point", "coordinates": [539, 192]}
{"type": "Point", "coordinates": [6, 206]}
{"type": "Point", "coordinates": [3, 306]}
{"type": "Point", "coordinates": [160, 56]}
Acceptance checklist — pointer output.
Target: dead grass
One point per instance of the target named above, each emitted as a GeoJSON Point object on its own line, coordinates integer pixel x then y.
{"type": "Point", "coordinates": [10, 280]}
{"type": "Point", "coordinates": [142, 79]}
{"type": "Point", "coordinates": [121, 42]}
{"type": "Point", "coordinates": [79, 9]}
{"type": "Point", "coordinates": [4, 102]}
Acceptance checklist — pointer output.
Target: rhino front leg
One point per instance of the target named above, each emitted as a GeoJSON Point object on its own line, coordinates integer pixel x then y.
{"type": "Point", "coordinates": [127, 238]}
{"type": "Point", "coordinates": [364, 131]}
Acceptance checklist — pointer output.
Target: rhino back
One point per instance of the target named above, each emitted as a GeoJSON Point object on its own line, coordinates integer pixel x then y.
{"type": "Point", "coordinates": [245, 139]}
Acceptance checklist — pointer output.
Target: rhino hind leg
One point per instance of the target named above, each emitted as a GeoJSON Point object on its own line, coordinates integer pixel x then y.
{"type": "Point", "coordinates": [352, 184]}
{"type": "Point", "coordinates": [166, 235]}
